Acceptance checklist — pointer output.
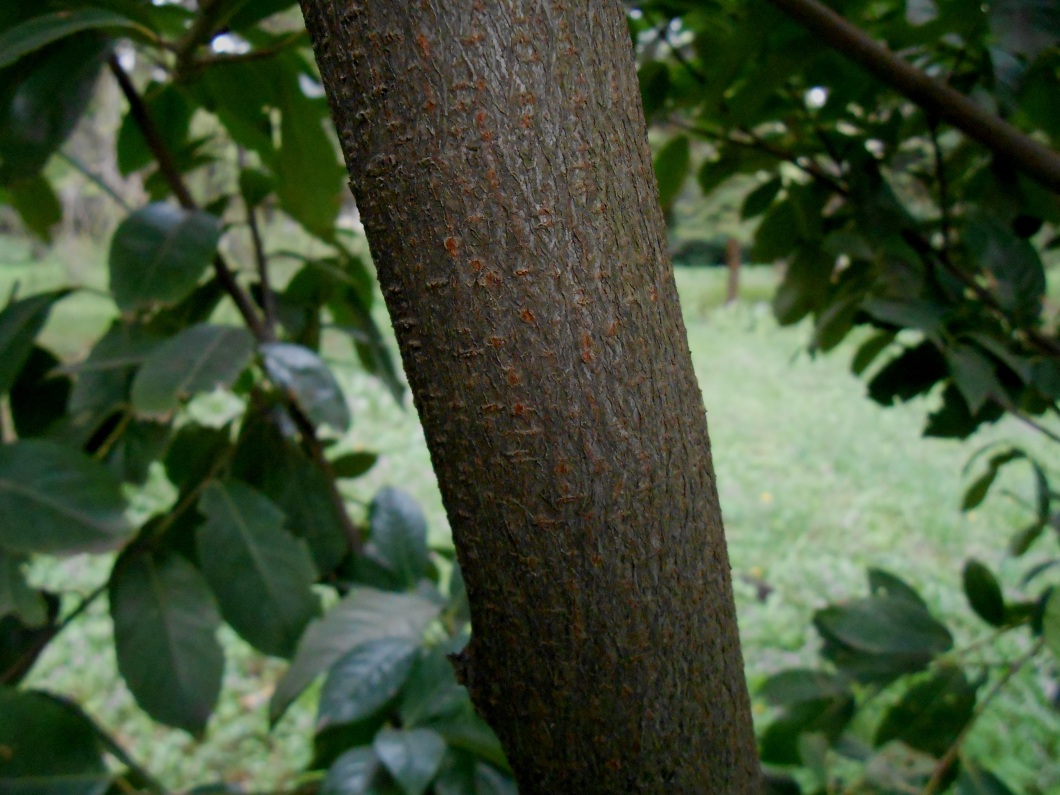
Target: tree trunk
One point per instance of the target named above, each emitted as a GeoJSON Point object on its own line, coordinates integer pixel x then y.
{"type": "Point", "coordinates": [733, 260]}
{"type": "Point", "coordinates": [499, 159]}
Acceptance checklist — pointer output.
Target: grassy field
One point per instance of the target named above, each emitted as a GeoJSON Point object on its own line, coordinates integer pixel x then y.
{"type": "Point", "coordinates": [816, 484]}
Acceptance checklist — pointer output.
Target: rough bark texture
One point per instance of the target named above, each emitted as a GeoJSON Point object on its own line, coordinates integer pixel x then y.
{"type": "Point", "coordinates": [499, 159]}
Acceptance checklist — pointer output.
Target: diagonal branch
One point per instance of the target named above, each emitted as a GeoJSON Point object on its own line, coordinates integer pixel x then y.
{"type": "Point", "coordinates": [1034, 159]}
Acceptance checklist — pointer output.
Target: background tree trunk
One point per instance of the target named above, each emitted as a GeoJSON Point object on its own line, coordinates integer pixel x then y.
{"type": "Point", "coordinates": [499, 158]}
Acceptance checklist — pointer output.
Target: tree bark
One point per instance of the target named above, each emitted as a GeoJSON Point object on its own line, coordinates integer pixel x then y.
{"type": "Point", "coordinates": [499, 158]}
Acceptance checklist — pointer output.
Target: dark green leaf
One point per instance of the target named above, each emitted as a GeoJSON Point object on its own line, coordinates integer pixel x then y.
{"type": "Point", "coordinates": [50, 748]}
{"type": "Point", "coordinates": [365, 679]}
{"type": "Point", "coordinates": [330, 743]}
{"type": "Point", "coordinates": [884, 625]}
{"type": "Point", "coordinates": [977, 491]}
{"type": "Point", "coordinates": [759, 200]}
{"type": "Point", "coordinates": [1051, 623]}
{"type": "Point", "coordinates": [931, 714]}
{"type": "Point", "coordinates": [141, 443]}
{"type": "Point", "coordinates": [883, 583]}
{"type": "Point", "coordinates": [44, 29]}
{"type": "Point", "coordinates": [353, 465]}
{"type": "Point", "coordinates": [954, 420]}
{"type": "Point", "coordinates": [806, 284]}
{"type": "Point", "coordinates": [171, 114]}
{"type": "Point", "coordinates": [1012, 263]}
{"type": "Point", "coordinates": [363, 615]}
{"type": "Point", "coordinates": [50, 90]}
{"type": "Point", "coordinates": [828, 716]}
{"type": "Point", "coordinates": [413, 756]}
{"type": "Point", "coordinates": [983, 592]}
{"type": "Point", "coordinates": [57, 500]}
{"type": "Point", "coordinates": [468, 732]}
{"type": "Point", "coordinates": [431, 690]}
{"type": "Point", "coordinates": [195, 454]}
{"type": "Point", "coordinates": [312, 384]}
{"type": "Point", "coordinates": [912, 372]}
{"type": "Point", "coordinates": [159, 253]}
{"type": "Point", "coordinates": [309, 177]}
{"type": "Point", "coordinates": [974, 375]}
{"type": "Point", "coordinates": [20, 322]}
{"type": "Point", "coordinates": [255, 185]}
{"type": "Point", "coordinates": [251, 12]}
{"type": "Point", "coordinates": [260, 574]}
{"type": "Point", "coordinates": [165, 624]}
{"type": "Point", "coordinates": [869, 350]}
{"type": "Point", "coordinates": [671, 169]}
{"type": "Point", "coordinates": [777, 235]}
{"type": "Point", "coordinates": [199, 359]}
{"type": "Point", "coordinates": [37, 203]}
{"type": "Point", "coordinates": [654, 80]}
{"type": "Point", "coordinates": [21, 645]}
{"type": "Point", "coordinates": [1025, 27]}
{"type": "Point", "coordinates": [352, 773]}
{"type": "Point", "coordinates": [399, 535]}
{"type": "Point", "coordinates": [788, 688]}
{"type": "Point", "coordinates": [16, 597]}
{"type": "Point", "coordinates": [353, 316]}
{"type": "Point", "coordinates": [39, 396]}
{"type": "Point", "coordinates": [103, 378]}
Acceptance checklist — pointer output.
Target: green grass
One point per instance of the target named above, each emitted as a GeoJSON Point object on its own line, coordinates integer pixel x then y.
{"type": "Point", "coordinates": [816, 483]}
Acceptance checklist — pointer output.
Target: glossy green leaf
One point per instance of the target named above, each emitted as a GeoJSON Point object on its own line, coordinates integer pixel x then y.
{"type": "Point", "coordinates": [41, 30]}
{"type": "Point", "coordinates": [159, 253]}
{"type": "Point", "coordinates": [309, 380]}
{"type": "Point", "coordinates": [931, 714]}
{"type": "Point", "coordinates": [353, 465]}
{"type": "Point", "coordinates": [20, 323]}
{"type": "Point", "coordinates": [50, 747]}
{"type": "Point", "coordinates": [352, 773]}
{"type": "Point", "coordinates": [399, 535]}
{"type": "Point", "coordinates": [363, 615]}
{"type": "Point", "coordinates": [413, 756]}
{"type": "Point", "coordinates": [165, 624]}
{"type": "Point", "coordinates": [16, 597]}
{"type": "Point", "coordinates": [37, 204]}
{"type": "Point", "coordinates": [57, 500]}
{"type": "Point", "coordinates": [365, 679]}
{"type": "Point", "coordinates": [984, 593]}
{"type": "Point", "coordinates": [51, 90]}
{"type": "Point", "coordinates": [884, 625]}
{"type": "Point", "coordinates": [260, 574]}
{"type": "Point", "coordinates": [671, 169]}
{"type": "Point", "coordinates": [199, 359]}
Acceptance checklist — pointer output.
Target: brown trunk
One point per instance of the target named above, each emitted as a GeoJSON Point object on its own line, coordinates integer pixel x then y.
{"type": "Point", "coordinates": [499, 159]}
{"type": "Point", "coordinates": [733, 260]}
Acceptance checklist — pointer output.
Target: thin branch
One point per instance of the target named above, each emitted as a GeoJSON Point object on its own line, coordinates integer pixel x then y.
{"type": "Point", "coordinates": [944, 190]}
{"type": "Point", "coordinates": [942, 767]}
{"type": "Point", "coordinates": [225, 59]}
{"type": "Point", "coordinates": [201, 32]}
{"type": "Point", "coordinates": [1033, 158]}
{"type": "Point", "coordinates": [268, 298]}
{"type": "Point", "coordinates": [90, 175]}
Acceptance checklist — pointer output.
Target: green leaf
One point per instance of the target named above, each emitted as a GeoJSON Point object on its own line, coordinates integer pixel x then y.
{"type": "Point", "coordinates": [309, 176]}
{"type": "Point", "coordinates": [1051, 623]}
{"type": "Point", "coordinates": [431, 690]}
{"type": "Point", "coordinates": [16, 597]}
{"type": "Point", "coordinates": [780, 743]}
{"type": "Point", "coordinates": [399, 535]}
{"type": "Point", "coordinates": [413, 756]}
{"type": "Point", "coordinates": [20, 323]}
{"type": "Point", "coordinates": [931, 714]}
{"type": "Point", "coordinates": [884, 625]}
{"type": "Point", "coordinates": [806, 284]}
{"type": "Point", "coordinates": [50, 747]}
{"type": "Point", "coordinates": [194, 455]}
{"type": "Point", "coordinates": [51, 90]}
{"type": "Point", "coordinates": [363, 615]}
{"type": "Point", "coordinates": [1011, 262]}
{"type": "Point", "coordinates": [260, 574]}
{"type": "Point", "coordinates": [352, 773]}
{"type": "Point", "coordinates": [57, 500]}
{"type": "Point", "coordinates": [39, 397]}
{"type": "Point", "coordinates": [42, 30]}
{"type": "Point", "coordinates": [312, 384]}
{"type": "Point", "coordinates": [165, 624]}
{"type": "Point", "coordinates": [353, 316]}
{"type": "Point", "coordinates": [980, 487]}
{"type": "Point", "coordinates": [37, 203]}
{"type": "Point", "coordinates": [759, 200]}
{"type": "Point", "coordinates": [910, 373]}
{"type": "Point", "coordinates": [490, 781]}
{"type": "Point", "coordinates": [159, 253]}
{"type": "Point", "coordinates": [255, 185]}
{"type": "Point", "coordinates": [777, 235]}
{"type": "Point", "coordinates": [794, 686]}
{"type": "Point", "coordinates": [170, 111]}
{"type": "Point", "coordinates": [103, 377]}
{"type": "Point", "coordinates": [654, 80]}
{"type": "Point", "coordinates": [974, 375]}
{"type": "Point", "coordinates": [883, 583]}
{"type": "Point", "coordinates": [199, 359]}
{"type": "Point", "coordinates": [671, 169]}
{"type": "Point", "coordinates": [353, 465]}
{"type": "Point", "coordinates": [141, 443]}
{"type": "Point", "coordinates": [468, 732]}
{"type": "Point", "coordinates": [973, 780]}
{"type": "Point", "coordinates": [869, 350]}
{"type": "Point", "coordinates": [983, 592]}
{"type": "Point", "coordinates": [364, 680]}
